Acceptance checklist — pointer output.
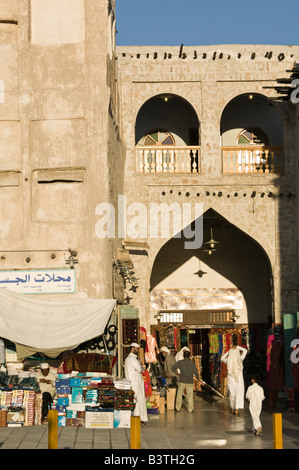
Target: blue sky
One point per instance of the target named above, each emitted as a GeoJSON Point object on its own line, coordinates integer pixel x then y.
{"type": "Point", "coordinates": [204, 22]}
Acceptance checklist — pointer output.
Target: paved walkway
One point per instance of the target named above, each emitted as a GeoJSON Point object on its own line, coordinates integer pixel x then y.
{"type": "Point", "coordinates": [211, 426]}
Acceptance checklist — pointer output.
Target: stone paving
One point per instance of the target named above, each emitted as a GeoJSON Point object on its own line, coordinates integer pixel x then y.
{"type": "Point", "coordinates": [211, 426]}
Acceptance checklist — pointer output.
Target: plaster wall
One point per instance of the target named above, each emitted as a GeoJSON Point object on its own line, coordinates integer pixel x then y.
{"type": "Point", "coordinates": [57, 87]}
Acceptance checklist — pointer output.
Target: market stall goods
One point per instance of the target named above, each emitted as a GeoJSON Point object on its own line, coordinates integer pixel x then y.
{"type": "Point", "coordinates": [91, 400]}
{"type": "Point", "coordinates": [20, 401]}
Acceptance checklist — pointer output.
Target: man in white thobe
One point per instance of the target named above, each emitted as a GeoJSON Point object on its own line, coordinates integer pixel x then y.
{"type": "Point", "coordinates": [255, 396]}
{"type": "Point", "coordinates": [46, 381]}
{"type": "Point", "coordinates": [235, 381]}
{"type": "Point", "coordinates": [133, 372]}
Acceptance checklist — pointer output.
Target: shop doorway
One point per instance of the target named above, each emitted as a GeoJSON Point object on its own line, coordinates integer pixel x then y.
{"type": "Point", "coordinates": [227, 293]}
{"type": "Point", "coordinates": [207, 343]}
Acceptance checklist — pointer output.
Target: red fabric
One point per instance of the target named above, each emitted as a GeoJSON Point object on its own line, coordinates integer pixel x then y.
{"type": "Point", "coordinates": [175, 339]}
{"type": "Point", "coordinates": [147, 383]}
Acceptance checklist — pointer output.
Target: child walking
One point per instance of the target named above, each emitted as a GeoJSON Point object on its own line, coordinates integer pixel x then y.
{"type": "Point", "coordinates": [255, 396]}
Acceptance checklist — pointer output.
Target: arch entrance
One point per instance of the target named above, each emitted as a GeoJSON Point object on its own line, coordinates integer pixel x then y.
{"type": "Point", "coordinates": [202, 299]}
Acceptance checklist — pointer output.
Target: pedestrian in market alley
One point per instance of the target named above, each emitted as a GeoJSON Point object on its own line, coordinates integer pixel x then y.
{"type": "Point", "coordinates": [169, 361]}
{"type": "Point", "coordinates": [255, 395]}
{"type": "Point", "coordinates": [133, 372]}
{"type": "Point", "coordinates": [46, 381]}
{"type": "Point", "coordinates": [187, 370]}
{"type": "Point", "coordinates": [234, 358]}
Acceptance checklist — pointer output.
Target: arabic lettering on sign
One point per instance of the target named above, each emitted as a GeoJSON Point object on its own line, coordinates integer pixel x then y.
{"type": "Point", "coordinates": [39, 282]}
{"type": "Point", "coordinates": [195, 299]}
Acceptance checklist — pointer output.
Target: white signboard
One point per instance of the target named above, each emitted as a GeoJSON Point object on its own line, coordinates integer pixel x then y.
{"type": "Point", "coordinates": [39, 281]}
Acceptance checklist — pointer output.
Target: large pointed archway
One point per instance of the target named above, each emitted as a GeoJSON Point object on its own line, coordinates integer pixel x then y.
{"type": "Point", "coordinates": [238, 263]}
{"type": "Point", "coordinates": [205, 299]}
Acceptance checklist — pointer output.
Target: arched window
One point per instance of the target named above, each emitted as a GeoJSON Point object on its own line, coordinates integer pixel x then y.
{"type": "Point", "coordinates": [252, 158]}
{"type": "Point", "coordinates": [252, 137]}
{"type": "Point", "coordinates": [159, 138]}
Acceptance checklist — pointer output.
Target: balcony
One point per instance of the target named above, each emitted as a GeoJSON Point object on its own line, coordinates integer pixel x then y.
{"type": "Point", "coordinates": [167, 159]}
{"type": "Point", "coordinates": [252, 160]}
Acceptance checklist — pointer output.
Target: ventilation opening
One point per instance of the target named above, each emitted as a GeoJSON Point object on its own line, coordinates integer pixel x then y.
{"type": "Point", "coordinates": [59, 181]}
{"type": "Point", "coordinates": [8, 22]}
{"type": "Point", "coordinates": [61, 176]}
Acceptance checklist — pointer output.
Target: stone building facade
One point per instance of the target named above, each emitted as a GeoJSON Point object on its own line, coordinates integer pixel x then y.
{"type": "Point", "coordinates": [84, 123]}
{"type": "Point", "coordinates": [61, 153]}
{"type": "Point", "coordinates": [224, 91]}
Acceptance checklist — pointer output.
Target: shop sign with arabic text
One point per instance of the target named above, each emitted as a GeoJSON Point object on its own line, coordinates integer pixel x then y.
{"type": "Point", "coordinates": [39, 281]}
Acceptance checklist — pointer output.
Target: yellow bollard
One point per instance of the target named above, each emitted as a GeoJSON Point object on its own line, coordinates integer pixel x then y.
{"type": "Point", "coordinates": [135, 432]}
{"type": "Point", "coordinates": [277, 430]}
{"type": "Point", "coordinates": [52, 429]}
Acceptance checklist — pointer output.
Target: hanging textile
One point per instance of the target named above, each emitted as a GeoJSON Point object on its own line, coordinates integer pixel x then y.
{"type": "Point", "coordinates": [175, 338]}
{"type": "Point", "coordinates": [275, 364]}
{"type": "Point", "coordinates": [184, 337]}
{"type": "Point", "coordinates": [178, 339]}
{"type": "Point", "coordinates": [152, 347]}
{"type": "Point", "coordinates": [170, 343]}
{"type": "Point", "coordinates": [88, 362]}
{"type": "Point", "coordinates": [162, 337]}
{"type": "Point", "coordinates": [147, 383]}
{"type": "Point", "coordinates": [143, 344]}
{"type": "Point", "coordinates": [53, 323]}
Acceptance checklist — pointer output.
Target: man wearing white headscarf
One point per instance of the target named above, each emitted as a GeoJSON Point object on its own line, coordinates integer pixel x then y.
{"type": "Point", "coordinates": [133, 372]}
{"type": "Point", "coordinates": [46, 381]}
{"type": "Point", "coordinates": [235, 381]}
{"type": "Point", "coordinates": [180, 355]}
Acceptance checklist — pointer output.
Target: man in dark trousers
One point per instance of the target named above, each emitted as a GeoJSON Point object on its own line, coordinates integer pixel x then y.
{"type": "Point", "coordinates": [187, 370]}
{"type": "Point", "coordinates": [46, 381]}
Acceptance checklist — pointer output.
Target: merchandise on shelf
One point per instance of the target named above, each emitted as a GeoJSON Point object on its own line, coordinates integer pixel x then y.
{"type": "Point", "coordinates": [20, 400]}
{"type": "Point", "coordinates": [92, 400]}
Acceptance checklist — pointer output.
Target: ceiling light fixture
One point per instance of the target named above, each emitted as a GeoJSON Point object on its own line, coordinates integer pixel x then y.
{"type": "Point", "coordinates": [234, 317]}
{"type": "Point", "coordinates": [211, 245]}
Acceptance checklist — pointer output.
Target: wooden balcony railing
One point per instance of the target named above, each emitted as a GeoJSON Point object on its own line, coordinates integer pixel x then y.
{"type": "Point", "coordinates": [257, 159]}
{"type": "Point", "coordinates": [172, 159]}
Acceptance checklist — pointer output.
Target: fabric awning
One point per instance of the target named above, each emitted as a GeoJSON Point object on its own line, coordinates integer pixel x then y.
{"type": "Point", "coordinates": [25, 351]}
{"type": "Point", "coordinates": [52, 324]}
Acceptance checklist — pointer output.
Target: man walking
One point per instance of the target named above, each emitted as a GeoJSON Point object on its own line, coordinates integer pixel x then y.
{"type": "Point", "coordinates": [187, 371]}
{"type": "Point", "coordinates": [133, 372]}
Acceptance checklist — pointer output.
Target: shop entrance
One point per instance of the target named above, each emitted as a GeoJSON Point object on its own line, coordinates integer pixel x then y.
{"type": "Point", "coordinates": [217, 293]}
{"type": "Point", "coordinates": [209, 341]}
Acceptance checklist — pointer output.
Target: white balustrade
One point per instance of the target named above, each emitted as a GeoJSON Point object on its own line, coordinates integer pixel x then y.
{"type": "Point", "coordinates": [257, 159]}
{"type": "Point", "coordinates": [164, 159]}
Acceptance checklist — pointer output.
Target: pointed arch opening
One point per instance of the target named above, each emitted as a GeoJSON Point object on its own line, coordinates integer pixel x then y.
{"type": "Point", "coordinates": [239, 264]}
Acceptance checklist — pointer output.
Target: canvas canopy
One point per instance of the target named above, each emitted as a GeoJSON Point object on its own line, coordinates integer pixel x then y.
{"type": "Point", "coordinates": [52, 325]}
